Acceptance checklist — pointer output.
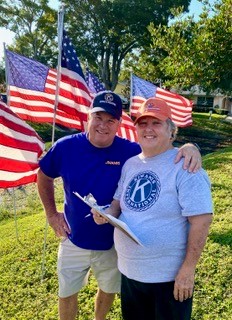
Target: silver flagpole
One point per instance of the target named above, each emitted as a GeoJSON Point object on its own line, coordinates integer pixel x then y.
{"type": "Point", "coordinates": [130, 92]}
{"type": "Point", "coordinates": [60, 39]}
{"type": "Point", "coordinates": [6, 74]}
{"type": "Point", "coordinates": [7, 102]}
{"type": "Point", "coordinates": [15, 215]}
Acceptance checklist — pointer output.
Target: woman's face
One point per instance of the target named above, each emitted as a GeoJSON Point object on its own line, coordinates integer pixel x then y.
{"type": "Point", "coordinates": [154, 135]}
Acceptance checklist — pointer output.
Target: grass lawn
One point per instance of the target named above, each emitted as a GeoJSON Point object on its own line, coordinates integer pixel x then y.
{"type": "Point", "coordinates": [26, 295]}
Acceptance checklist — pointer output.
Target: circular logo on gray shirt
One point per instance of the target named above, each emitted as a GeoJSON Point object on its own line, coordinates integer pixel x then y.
{"type": "Point", "coordinates": [142, 191]}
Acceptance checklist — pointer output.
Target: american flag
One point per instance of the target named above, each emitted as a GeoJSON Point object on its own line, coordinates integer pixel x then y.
{"type": "Point", "coordinates": [127, 129]}
{"type": "Point", "coordinates": [32, 87]}
{"type": "Point", "coordinates": [181, 107]}
{"type": "Point", "coordinates": [20, 148]}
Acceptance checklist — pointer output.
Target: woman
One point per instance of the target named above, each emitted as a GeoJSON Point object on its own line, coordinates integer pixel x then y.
{"type": "Point", "coordinates": [170, 210]}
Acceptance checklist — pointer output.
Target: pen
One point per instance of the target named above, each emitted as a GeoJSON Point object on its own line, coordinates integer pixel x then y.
{"type": "Point", "coordinates": [88, 215]}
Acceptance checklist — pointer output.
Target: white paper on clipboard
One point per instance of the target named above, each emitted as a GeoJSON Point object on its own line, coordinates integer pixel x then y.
{"type": "Point", "coordinates": [90, 201]}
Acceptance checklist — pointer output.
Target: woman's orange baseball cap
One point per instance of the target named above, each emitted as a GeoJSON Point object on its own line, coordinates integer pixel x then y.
{"type": "Point", "coordinates": [156, 108]}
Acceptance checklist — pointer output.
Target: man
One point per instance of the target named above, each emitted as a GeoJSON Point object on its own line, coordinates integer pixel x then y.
{"type": "Point", "coordinates": [170, 211]}
{"type": "Point", "coordinates": [89, 162]}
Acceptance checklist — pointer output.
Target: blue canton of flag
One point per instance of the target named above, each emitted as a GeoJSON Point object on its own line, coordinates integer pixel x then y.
{"type": "Point", "coordinates": [26, 73]}
{"type": "Point", "coordinates": [93, 82]}
{"type": "Point", "coordinates": [142, 88]}
{"type": "Point", "coordinates": [69, 56]}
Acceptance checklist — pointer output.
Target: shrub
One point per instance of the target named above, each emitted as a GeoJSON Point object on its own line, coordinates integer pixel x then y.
{"type": "Point", "coordinates": [222, 111]}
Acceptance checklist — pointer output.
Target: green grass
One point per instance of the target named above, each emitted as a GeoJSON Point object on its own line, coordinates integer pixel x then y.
{"type": "Point", "coordinates": [25, 295]}
{"type": "Point", "coordinates": [210, 135]}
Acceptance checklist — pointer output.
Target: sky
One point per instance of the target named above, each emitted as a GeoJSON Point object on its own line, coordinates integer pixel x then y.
{"type": "Point", "coordinates": [7, 36]}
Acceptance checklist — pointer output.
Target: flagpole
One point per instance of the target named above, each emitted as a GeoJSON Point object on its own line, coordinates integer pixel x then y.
{"type": "Point", "coordinates": [8, 97]}
{"type": "Point", "coordinates": [60, 28]}
{"type": "Point", "coordinates": [86, 65]}
{"type": "Point", "coordinates": [6, 75]}
{"type": "Point", "coordinates": [130, 91]}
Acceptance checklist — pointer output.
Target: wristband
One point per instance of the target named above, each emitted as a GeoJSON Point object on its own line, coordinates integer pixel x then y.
{"type": "Point", "coordinates": [197, 146]}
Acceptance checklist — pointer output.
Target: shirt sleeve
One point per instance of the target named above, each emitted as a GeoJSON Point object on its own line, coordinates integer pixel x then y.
{"type": "Point", "coordinates": [194, 193]}
{"type": "Point", "coordinates": [50, 163]}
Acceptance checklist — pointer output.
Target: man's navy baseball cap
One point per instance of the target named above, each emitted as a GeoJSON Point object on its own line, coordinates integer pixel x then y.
{"type": "Point", "coordinates": [109, 102]}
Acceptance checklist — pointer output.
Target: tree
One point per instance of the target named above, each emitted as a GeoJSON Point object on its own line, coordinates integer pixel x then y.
{"type": "Point", "coordinates": [195, 53]}
{"type": "Point", "coordinates": [35, 27]}
{"type": "Point", "coordinates": [105, 31]}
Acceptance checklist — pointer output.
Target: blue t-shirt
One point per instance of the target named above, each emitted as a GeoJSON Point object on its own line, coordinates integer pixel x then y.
{"type": "Point", "coordinates": [86, 169]}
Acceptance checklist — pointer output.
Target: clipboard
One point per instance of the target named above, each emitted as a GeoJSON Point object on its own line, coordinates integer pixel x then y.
{"type": "Point", "coordinates": [92, 203]}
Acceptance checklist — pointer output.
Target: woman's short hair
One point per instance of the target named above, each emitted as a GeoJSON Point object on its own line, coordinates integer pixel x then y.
{"type": "Point", "coordinates": [173, 128]}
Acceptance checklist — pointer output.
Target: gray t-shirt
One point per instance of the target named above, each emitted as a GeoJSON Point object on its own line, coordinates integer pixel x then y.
{"type": "Point", "coordinates": [156, 197]}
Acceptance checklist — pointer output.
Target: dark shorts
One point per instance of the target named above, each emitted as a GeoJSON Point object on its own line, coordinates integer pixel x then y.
{"type": "Point", "coordinates": [152, 301]}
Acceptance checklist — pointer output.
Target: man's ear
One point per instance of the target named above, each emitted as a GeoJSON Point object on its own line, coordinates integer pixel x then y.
{"type": "Point", "coordinates": [88, 116]}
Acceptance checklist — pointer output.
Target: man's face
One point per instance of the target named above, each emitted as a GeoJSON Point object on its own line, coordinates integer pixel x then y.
{"type": "Point", "coordinates": [102, 128]}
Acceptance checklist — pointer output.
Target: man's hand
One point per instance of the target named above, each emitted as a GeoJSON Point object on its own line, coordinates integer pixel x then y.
{"type": "Point", "coordinates": [192, 157]}
{"type": "Point", "coordinates": [184, 284]}
{"type": "Point", "coordinates": [58, 224]}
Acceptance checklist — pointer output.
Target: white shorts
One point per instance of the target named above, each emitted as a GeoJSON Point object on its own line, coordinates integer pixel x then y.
{"type": "Point", "coordinates": [74, 264]}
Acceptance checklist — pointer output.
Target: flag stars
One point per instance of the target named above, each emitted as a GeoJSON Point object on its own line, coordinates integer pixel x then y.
{"type": "Point", "coordinates": [24, 72]}
{"type": "Point", "coordinates": [71, 61]}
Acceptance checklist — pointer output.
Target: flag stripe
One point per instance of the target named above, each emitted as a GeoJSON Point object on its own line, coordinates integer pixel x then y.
{"type": "Point", "coordinates": [61, 118]}
{"type": "Point", "coordinates": [19, 154]}
{"type": "Point", "coordinates": [23, 145]}
{"type": "Point", "coordinates": [39, 107]}
{"type": "Point", "coordinates": [10, 128]}
{"type": "Point", "coordinates": [12, 165]}
{"type": "Point", "coordinates": [11, 179]}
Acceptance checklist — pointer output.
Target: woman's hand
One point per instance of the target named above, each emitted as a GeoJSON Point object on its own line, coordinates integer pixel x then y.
{"type": "Point", "coordinates": [98, 218]}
